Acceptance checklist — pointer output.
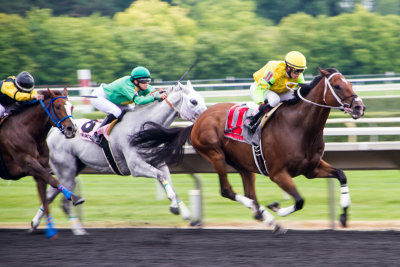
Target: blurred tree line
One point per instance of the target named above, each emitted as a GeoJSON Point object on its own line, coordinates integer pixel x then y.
{"type": "Point", "coordinates": [229, 38]}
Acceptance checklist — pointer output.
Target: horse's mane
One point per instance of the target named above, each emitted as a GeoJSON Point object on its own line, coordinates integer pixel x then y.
{"type": "Point", "coordinates": [305, 88]}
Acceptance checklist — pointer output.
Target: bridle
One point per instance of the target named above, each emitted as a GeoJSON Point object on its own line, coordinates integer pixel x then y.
{"type": "Point", "coordinates": [342, 107]}
{"type": "Point", "coordinates": [52, 115]}
{"type": "Point", "coordinates": [178, 110]}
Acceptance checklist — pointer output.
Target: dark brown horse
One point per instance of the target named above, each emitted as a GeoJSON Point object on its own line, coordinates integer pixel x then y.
{"type": "Point", "coordinates": [292, 144]}
{"type": "Point", "coordinates": [23, 146]}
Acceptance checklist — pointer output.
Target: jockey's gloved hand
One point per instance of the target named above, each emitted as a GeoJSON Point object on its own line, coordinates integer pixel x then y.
{"type": "Point", "coordinates": [262, 107]}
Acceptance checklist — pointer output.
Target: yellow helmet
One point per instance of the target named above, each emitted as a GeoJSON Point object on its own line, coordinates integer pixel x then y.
{"type": "Point", "coordinates": [296, 60]}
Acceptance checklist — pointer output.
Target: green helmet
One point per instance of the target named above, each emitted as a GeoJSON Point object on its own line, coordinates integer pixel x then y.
{"type": "Point", "coordinates": [140, 72]}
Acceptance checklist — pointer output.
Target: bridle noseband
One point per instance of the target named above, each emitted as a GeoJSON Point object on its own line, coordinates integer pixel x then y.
{"type": "Point", "coordinates": [52, 115]}
{"type": "Point", "coordinates": [342, 106]}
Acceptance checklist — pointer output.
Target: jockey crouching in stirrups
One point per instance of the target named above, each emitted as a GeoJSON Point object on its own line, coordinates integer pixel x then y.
{"type": "Point", "coordinates": [114, 97]}
{"type": "Point", "coordinates": [271, 82]}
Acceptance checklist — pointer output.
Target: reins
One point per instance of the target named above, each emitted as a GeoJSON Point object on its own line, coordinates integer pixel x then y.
{"type": "Point", "coordinates": [328, 85]}
{"type": "Point", "coordinates": [173, 106]}
{"type": "Point", "coordinates": [50, 110]}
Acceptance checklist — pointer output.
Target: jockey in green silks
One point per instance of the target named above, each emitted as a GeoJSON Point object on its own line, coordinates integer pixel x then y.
{"type": "Point", "coordinates": [272, 83]}
{"type": "Point", "coordinates": [114, 97]}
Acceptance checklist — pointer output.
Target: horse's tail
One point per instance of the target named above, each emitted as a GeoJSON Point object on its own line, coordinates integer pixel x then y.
{"type": "Point", "coordinates": [160, 145]}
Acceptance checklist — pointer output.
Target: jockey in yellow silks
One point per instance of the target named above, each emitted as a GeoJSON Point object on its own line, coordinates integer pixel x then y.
{"type": "Point", "coordinates": [17, 89]}
{"type": "Point", "coordinates": [272, 82]}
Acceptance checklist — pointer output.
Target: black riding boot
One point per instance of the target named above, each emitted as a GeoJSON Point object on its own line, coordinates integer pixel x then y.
{"type": "Point", "coordinates": [97, 138]}
{"type": "Point", "coordinates": [262, 109]}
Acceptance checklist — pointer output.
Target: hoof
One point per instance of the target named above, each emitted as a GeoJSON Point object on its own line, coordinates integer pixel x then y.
{"type": "Point", "coordinates": [258, 216]}
{"type": "Point", "coordinates": [274, 206]}
{"type": "Point", "coordinates": [343, 220]}
{"type": "Point", "coordinates": [51, 233]}
{"type": "Point", "coordinates": [33, 228]}
{"type": "Point", "coordinates": [279, 231]}
{"type": "Point", "coordinates": [79, 231]}
{"type": "Point", "coordinates": [77, 200]}
{"type": "Point", "coordinates": [196, 223]}
{"type": "Point", "coordinates": [174, 210]}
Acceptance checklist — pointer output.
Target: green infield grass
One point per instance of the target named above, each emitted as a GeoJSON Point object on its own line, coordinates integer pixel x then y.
{"type": "Point", "coordinates": [134, 201]}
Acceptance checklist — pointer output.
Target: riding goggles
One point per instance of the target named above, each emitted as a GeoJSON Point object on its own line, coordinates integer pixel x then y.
{"type": "Point", "coordinates": [144, 80]}
{"type": "Point", "coordinates": [297, 71]}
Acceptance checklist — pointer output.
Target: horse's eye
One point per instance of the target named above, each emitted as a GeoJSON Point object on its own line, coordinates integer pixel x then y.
{"type": "Point", "coordinates": [337, 87]}
{"type": "Point", "coordinates": [194, 102]}
{"type": "Point", "coordinates": [58, 107]}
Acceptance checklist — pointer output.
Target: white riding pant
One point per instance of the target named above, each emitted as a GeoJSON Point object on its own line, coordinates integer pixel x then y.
{"type": "Point", "coordinates": [102, 103]}
{"type": "Point", "coordinates": [272, 97]}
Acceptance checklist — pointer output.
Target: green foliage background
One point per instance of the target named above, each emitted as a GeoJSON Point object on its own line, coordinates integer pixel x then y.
{"type": "Point", "coordinates": [230, 38]}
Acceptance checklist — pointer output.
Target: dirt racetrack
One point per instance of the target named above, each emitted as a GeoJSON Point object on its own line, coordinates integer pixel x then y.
{"type": "Point", "coordinates": [200, 247]}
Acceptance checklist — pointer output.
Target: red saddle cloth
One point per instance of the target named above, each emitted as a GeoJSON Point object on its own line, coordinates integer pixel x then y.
{"type": "Point", "coordinates": [234, 122]}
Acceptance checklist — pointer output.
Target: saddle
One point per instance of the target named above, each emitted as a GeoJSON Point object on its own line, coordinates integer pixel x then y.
{"type": "Point", "coordinates": [89, 128]}
{"type": "Point", "coordinates": [236, 129]}
{"type": "Point", "coordinates": [238, 117]}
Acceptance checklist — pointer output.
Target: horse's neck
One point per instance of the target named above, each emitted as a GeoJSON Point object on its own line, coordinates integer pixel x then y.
{"type": "Point", "coordinates": [34, 119]}
{"type": "Point", "coordinates": [314, 117]}
{"type": "Point", "coordinates": [160, 113]}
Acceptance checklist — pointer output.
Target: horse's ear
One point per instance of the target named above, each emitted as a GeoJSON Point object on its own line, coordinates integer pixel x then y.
{"type": "Point", "coordinates": [51, 93]}
{"type": "Point", "coordinates": [65, 92]}
{"type": "Point", "coordinates": [180, 86]}
{"type": "Point", "coordinates": [189, 84]}
{"type": "Point", "coordinates": [324, 72]}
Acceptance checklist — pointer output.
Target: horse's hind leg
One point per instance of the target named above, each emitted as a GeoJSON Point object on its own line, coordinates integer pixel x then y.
{"type": "Point", "coordinates": [325, 170]}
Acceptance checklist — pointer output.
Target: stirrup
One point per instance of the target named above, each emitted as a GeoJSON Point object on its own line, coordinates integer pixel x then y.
{"type": "Point", "coordinates": [254, 127]}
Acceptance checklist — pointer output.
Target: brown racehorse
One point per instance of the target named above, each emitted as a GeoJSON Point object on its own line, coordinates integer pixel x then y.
{"type": "Point", "coordinates": [292, 144]}
{"type": "Point", "coordinates": [23, 146]}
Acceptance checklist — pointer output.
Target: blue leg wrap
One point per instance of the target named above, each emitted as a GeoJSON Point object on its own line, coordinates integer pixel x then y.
{"type": "Point", "coordinates": [65, 191]}
{"type": "Point", "coordinates": [50, 230]}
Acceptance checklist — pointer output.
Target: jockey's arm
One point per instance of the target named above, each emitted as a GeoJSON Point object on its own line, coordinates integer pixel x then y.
{"type": "Point", "coordinates": [262, 87]}
{"type": "Point", "coordinates": [9, 89]}
{"type": "Point", "coordinates": [142, 100]}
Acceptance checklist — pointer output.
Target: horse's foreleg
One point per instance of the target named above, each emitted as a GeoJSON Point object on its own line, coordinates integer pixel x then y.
{"type": "Point", "coordinates": [177, 205]}
{"type": "Point", "coordinates": [325, 170]}
{"type": "Point", "coordinates": [143, 169]}
{"type": "Point", "coordinates": [38, 171]}
{"type": "Point", "coordinates": [51, 231]}
{"type": "Point", "coordinates": [250, 201]}
{"type": "Point", "coordinates": [285, 181]}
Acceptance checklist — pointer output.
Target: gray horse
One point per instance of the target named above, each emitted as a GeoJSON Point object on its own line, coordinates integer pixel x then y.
{"type": "Point", "coordinates": [69, 156]}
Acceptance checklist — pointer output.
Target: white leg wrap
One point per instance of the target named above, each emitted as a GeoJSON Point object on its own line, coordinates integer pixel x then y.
{"type": "Point", "coordinates": [38, 217]}
{"type": "Point", "coordinates": [170, 193]}
{"type": "Point", "coordinates": [286, 211]}
{"type": "Point", "coordinates": [268, 217]}
{"type": "Point", "coordinates": [249, 203]}
{"type": "Point", "coordinates": [76, 226]}
{"type": "Point", "coordinates": [344, 196]}
{"type": "Point", "coordinates": [185, 213]}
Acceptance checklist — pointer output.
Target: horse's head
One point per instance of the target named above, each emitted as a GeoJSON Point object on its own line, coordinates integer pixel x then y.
{"type": "Point", "coordinates": [192, 103]}
{"type": "Point", "coordinates": [341, 94]}
{"type": "Point", "coordinates": [59, 110]}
